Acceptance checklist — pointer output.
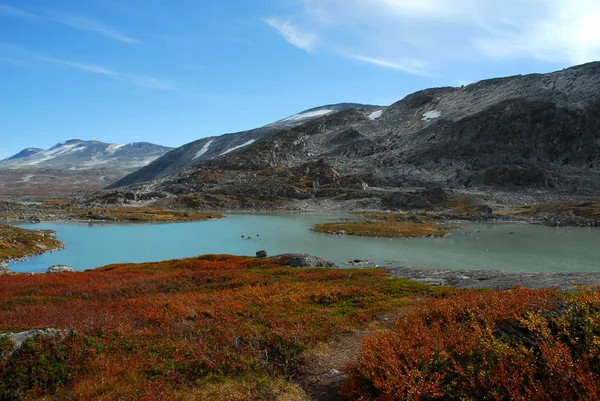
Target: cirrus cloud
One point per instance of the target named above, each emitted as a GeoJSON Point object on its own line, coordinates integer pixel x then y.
{"type": "Point", "coordinates": [435, 33]}
{"type": "Point", "coordinates": [293, 34]}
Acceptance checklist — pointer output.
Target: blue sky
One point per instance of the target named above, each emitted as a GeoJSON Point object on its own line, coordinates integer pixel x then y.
{"type": "Point", "coordinates": [173, 71]}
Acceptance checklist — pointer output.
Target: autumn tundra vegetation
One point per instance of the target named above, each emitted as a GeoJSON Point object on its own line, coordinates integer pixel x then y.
{"type": "Point", "coordinates": [18, 242]}
{"type": "Point", "coordinates": [237, 328]}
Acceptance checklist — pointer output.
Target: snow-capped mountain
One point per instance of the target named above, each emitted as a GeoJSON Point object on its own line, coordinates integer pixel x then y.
{"type": "Point", "coordinates": [73, 165]}
{"type": "Point", "coordinates": [24, 153]}
{"type": "Point", "coordinates": [76, 154]}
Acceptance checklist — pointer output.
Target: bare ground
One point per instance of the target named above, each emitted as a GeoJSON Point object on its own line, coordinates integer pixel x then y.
{"type": "Point", "coordinates": [323, 369]}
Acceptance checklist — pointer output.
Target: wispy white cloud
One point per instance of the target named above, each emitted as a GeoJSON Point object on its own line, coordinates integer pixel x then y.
{"type": "Point", "coordinates": [293, 34]}
{"type": "Point", "coordinates": [72, 21]}
{"type": "Point", "coordinates": [562, 30]}
{"type": "Point", "coordinates": [17, 13]}
{"type": "Point", "coordinates": [134, 79]}
{"type": "Point", "coordinates": [88, 25]}
{"type": "Point", "coordinates": [414, 67]}
{"type": "Point", "coordinates": [152, 83]}
{"type": "Point", "coordinates": [96, 69]}
{"type": "Point", "coordinates": [14, 61]}
{"type": "Point", "coordinates": [435, 33]}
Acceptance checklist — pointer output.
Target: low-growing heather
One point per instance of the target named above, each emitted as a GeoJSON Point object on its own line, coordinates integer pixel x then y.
{"type": "Point", "coordinates": [509, 345]}
{"type": "Point", "coordinates": [183, 329]}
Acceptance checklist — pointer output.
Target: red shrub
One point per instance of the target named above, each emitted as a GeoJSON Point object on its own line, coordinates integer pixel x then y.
{"type": "Point", "coordinates": [517, 344]}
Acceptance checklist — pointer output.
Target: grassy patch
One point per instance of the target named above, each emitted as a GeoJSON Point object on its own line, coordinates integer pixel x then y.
{"type": "Point", "coordinates": [386, 229]}
{"type": "Point", "coordinates": [587, 210]}
{"type": "Point", "coordinates": [18, 242]}
{"type": "Point", "coordinates": [213, 327]}
{"type": "Point", "coordinates": [141, 214]}
{"type": "Point", "coordinates": [387, 216]}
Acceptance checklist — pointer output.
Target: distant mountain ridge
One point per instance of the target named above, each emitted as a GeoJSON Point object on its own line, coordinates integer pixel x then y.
{"type": "Point", "coordinates": [24, 153]}
{"type": "Point", "coordinates": [80, 154]}
{"type": "Point", "coordinates": [73, 165]}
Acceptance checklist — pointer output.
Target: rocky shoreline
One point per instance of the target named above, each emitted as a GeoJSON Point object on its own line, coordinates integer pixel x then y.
{"type": "Point", "coordinates": [475, 205]}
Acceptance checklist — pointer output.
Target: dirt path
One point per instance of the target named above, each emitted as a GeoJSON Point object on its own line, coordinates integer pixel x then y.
{"type": "Point", "coordinates": [323, 368]}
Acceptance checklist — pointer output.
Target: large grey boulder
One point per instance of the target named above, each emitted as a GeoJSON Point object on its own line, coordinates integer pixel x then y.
{"type": "Point", "coordinates": [302, 260]}
{"type": "Point", "coordinates": [435, 195]}
{"type": "Point", "coordinates": [399, 200]}
{"type": "Point", "coordinates": [59, 269]}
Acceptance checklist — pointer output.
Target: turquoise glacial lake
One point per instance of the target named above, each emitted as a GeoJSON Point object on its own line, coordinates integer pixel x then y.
{"type": "Point", "coordinates": [510, 247]}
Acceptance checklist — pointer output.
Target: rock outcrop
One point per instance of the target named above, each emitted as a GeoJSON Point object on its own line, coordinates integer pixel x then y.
{"type": "Point", "coordinates": [5, 270]}
{"type": "Point", "coordinates": [302, 260]}
{"type": "Point", "coordinates": [59, 269]}
{"type": "Point", "coordinates": [19, 338]}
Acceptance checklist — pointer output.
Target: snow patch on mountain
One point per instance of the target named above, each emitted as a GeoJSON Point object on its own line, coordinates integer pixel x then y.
{"type": "Point", "coordinates": [113, 148]}
{"type": "Point", "coordinates": [52, 153]}
{"type": "Point", "coordinates": [430, 115]}
{"type": "Point", "coordinates": [203, 150]}
{"type": "Point", "coordinates": [309, 114]}
{"type": "Point", "coordinates": [375, 115]}
{"type": "Point", "coordinates": [250, 142]}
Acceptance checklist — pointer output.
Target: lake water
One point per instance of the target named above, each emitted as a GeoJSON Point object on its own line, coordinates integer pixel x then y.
{"type": "Point", "coordinates": [511, 247]}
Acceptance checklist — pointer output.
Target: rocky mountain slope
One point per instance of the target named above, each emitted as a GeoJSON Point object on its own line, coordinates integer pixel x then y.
{"type": "Point", "coordinates": [73, 165]}
{"type": "Point", "coordinates": [539, 131]}
{"type": "Point", "coordinates": [204, 149]}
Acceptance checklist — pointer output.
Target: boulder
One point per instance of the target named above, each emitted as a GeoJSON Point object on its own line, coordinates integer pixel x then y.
{"type": "Point", "coordinates": [261, 254]}
{"type": "Point", "coordinates": [399, 200]}
{"type": "Point", "coordinates": [19, 338]}
{"type": "Point", "coordinates": [302, 260]}
{"type": "Point", "coordinates": [59, 269]}
{"type": "Point", "coordinates": [517, 176]}
{"type": "Point", "coordinates": [434, 195]}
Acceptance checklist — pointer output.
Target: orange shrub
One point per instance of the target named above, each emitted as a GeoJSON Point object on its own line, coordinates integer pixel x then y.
{"type": "Point", "coordinates": [518, 344]}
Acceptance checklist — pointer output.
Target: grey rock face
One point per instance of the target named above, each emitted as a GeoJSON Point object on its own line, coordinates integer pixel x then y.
{"type": "Point", "coordinates": [203, 150]}
{"type": "Point", "coordinates": [59, 269]}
